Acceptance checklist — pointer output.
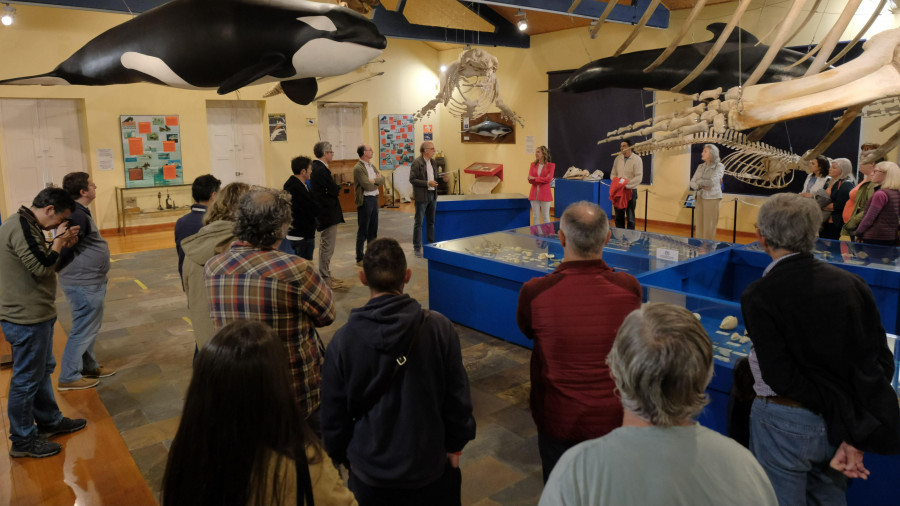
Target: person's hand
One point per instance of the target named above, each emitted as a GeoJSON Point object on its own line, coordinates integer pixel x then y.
{"type": "Point", "coordinates": [806, 194]}
{"type": "Point", "coordinates": [530, 178]}
{"type": "Point", "coordinates": [829, 207]}
{"type": "Point", "coordinates": [372, 180]}
{"type": "Point", "coordinates": [849, 461]}
{"type": "Point", "coordinates": [704, 188]}
{"type": "Point", "coordinates": [432, 183]}
{"type": "Point", "coordinates": [65, 237]}
{"type": "Point", "coordinates": [454, 459]}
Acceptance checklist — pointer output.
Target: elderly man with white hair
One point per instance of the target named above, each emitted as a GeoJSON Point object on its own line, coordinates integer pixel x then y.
{"type": "Point", "coordinates": [661, 361]}
{"type": "Point", "coordinates": [823, 385]}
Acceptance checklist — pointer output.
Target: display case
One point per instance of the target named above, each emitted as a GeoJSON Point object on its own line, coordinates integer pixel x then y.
{"type": "Point", "coordinates": [159, 201]}
{"type": "Point", "coordinates": [568, 191]}
{"type": "Point", "coordinates": [475, 281]}
{"type": "Point", "coordinates": [466, 215]}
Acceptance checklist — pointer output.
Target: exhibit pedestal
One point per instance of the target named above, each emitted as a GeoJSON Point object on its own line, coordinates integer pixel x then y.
{"type": "Point", "coordinates": [568, 191]}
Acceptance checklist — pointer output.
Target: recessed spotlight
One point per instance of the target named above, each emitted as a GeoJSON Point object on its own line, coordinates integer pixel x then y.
{"type": "Point", "coordinates": [522, 23]}
{"type": "Point", "coordinates": [9, 15]}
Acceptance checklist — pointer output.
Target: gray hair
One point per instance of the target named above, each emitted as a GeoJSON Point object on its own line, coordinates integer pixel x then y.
{"type": "Point", "coordinates": [320, 148]}
{"type": "Point", "coordinates": [662, 361]}
{"type": "Point", "coordinates": [262, 217]}
{"type": "Point", "coordinates": [846, 167]}
{"type": "Point", "coordinates": [586, 226]}
{"type": "Point", "coordinates": [714, 152]}
{"type": "Point", "coordinates": [790, 222]}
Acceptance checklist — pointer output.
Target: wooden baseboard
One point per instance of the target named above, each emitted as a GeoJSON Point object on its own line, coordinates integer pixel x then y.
{"type": "Point", "coordinates": [158, 227]}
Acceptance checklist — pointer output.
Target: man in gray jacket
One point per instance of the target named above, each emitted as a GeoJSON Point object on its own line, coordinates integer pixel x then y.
{"type": "Point", "coordinates": [82, 275]}
{"type": "Point", "coordinates": [27, 314]}
{"type": "Point", "coordinates": [422, 178]}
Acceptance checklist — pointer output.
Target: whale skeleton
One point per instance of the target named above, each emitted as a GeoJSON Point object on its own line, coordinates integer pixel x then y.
{"type": "Point", "coordinates": [867, 86]}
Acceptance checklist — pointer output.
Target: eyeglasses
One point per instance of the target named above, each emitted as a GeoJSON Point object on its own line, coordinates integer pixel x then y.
{"type": "Point", "coordinates": [332, 152]}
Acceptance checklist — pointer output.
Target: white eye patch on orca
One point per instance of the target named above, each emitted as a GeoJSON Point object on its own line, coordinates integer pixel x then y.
{"type": "Point", "coordinates": [319, 23]}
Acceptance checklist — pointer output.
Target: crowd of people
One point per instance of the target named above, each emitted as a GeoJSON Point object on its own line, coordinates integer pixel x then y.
{"type": "Point", "coordinates": [272, 414]}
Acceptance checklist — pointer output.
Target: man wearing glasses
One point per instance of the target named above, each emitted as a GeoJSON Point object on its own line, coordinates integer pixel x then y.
{"type": "Point", "coordinates": [366, 181]}
{"type": "Point", "coordinates": [326, 194]}
{"type": "Point", "coordinates": [421, 176]}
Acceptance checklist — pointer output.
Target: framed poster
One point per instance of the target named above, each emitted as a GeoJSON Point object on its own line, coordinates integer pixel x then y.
{"type": "Point", "coordinates": [396, 140]}
{"type": "Point", "coordinates": [277, 128]}
{"type": "Point", "coordinates": [151, 146]}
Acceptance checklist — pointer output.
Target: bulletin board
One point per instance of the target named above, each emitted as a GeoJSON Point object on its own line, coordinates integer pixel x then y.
{"type": "Point", "coordinates": [151, 146]}
{"type": "Point", "coordinates": [396, 140]}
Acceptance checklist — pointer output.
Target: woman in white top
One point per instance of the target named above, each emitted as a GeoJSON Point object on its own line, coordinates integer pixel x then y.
{"type": "Point", "coordinates": [817, 178]}
{"type": "Point", "coordinates": [707, 181]}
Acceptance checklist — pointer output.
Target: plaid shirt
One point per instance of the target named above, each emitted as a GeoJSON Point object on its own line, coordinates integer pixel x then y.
{"type": "Point", "coordinates": [285, 292]}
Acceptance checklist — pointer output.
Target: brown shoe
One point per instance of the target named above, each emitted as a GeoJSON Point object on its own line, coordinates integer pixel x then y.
{"type": "Point", "coordinates": [336, 284]}
{"type": "Point", "coordinates": [99, 372]}
{"type": "Point", "coordinates": [80, 384]}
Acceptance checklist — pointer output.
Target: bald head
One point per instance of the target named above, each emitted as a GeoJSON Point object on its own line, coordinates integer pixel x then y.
{"type": "Point", "coordinates": [585, 228]}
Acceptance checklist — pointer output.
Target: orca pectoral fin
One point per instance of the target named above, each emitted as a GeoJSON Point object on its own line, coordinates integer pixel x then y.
{"type": "Point", "coordinates": [300, 91]}
{"type": "Point", "coordinates": [269, 63]}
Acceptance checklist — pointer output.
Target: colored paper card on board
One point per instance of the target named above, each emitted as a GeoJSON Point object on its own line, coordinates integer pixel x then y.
{"type": "Point", "coordinates": [168, 146]}
{"type": "Point", "coordinates": [135, 174]}
{"type": "Point", "coordinates": [171, 120]}
{"type": "Point", "coordinates": [144, 127]}
{"type": "Point", "coordinates": [169, 172]}
{"type": "Point", "coordinates": [409, 128]}
{"type": "Point", "coordinates": [135, 146]}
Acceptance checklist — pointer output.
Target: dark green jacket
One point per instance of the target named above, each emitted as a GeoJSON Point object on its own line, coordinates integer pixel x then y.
{"type": "Point", "coordinates": [27, 271]}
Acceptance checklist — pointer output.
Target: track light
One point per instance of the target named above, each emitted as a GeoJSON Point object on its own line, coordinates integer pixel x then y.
{"type": "Point", "coordinates": [9, 15]}
{"type": "Point", "coordinates": [522, 23]}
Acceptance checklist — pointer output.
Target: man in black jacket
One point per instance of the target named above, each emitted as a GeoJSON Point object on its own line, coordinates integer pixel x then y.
{"type": "Point", "coordinates": [326, 194]}
{"type": "Point", "coordinates": [302, 234]}
{"type": "Point", "coordinates": [422, 178]}
{"type": "Point", "coordinates": [399, 430]}
{"type": "Point", "coordinates": [823, 383]}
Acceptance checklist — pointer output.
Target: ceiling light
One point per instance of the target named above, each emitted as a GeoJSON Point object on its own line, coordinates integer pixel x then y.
{"type": "Point", "coordinates": [9, 15]}
{"type": "Point", "coordinates": [522, 23]}
{"type": "Point", "coordinates": [443, 68]}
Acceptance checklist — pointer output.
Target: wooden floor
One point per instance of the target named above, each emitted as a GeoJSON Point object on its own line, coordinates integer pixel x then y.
{"type": "Point", "coordinates": [94, 467]}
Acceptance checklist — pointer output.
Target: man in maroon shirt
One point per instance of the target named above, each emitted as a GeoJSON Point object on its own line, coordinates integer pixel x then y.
{"type": "Point", "coordinates": [572, 314]}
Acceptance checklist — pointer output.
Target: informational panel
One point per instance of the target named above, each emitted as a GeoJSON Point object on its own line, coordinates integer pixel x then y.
{"type": "Point", "coordinates": [152, 150]}
{"type": "Point", "coordinates": [396, 140]}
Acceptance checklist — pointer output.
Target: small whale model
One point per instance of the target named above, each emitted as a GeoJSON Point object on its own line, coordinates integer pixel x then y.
{"type": "Point", "coordinates": [739, 52]}
{"type": "Point", "coordinates": [488, 128]}
{"type": "Point", "coordinates": [224, 45]}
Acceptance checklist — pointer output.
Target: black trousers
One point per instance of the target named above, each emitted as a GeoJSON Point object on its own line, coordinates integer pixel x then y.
{"type": "Point", "coordinates": [445, 491]}
{"type": "Point", "coordinates": [622, 214]}
{"type": "Point", "coordinates": [551, 450]}
{"type": "Point", "coordinates": [367, 216]}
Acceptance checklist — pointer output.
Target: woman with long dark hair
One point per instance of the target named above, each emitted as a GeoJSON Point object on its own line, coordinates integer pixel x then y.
{"type": "Point", "coordinates": [242, 440]}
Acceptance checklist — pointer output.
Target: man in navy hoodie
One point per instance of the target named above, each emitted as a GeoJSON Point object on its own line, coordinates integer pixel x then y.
{"type": "Point", "coordinates": [399, 432]}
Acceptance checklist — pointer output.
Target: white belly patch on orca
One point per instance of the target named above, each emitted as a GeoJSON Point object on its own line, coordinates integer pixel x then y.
{"type": "Point", "coordinates": [326, 57]}
{"type": "Point", "coordinates": [154, 67]}
{"type": "Point", "coordinates": [319, 23]}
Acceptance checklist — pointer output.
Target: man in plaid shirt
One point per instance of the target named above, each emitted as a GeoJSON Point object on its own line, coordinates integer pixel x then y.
{"type": "Point", "coordinates": [253, 280]}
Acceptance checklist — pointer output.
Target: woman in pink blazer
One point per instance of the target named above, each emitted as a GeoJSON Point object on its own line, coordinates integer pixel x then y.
{"type": "Point", "coordinates": [539, 175]}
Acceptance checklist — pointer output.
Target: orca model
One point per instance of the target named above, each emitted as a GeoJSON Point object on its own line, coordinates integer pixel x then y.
{"type": "Point", "coordinates": [488, 128]}
{"type": "Point", "coordinates": [225, 45]}
{"type": "Point", "coordinates": [627, 70]}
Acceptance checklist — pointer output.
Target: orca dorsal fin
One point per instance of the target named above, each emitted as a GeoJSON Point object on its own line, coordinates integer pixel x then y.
{"type": "Point", "coordinates": [300, 91]}
{"type": "Point", "coordinates": [737, 35]}
{"type": "Point", "coordinates": [268, 64]}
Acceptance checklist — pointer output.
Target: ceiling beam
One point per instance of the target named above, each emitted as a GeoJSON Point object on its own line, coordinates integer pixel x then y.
{"type": "Point", "coordinates": [506, 34]}
{"type": "Point", "coordinates": [629, 14]}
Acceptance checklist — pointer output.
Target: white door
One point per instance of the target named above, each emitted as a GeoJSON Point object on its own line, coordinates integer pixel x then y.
{"type": "Point", "coordinates": [42, 143]}
{"type": "Point", "coordinates": [236, 141]}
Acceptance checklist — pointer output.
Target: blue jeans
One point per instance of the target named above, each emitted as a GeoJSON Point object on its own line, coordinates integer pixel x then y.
{"type": "Point", "coordinates": [87, 314]}
{"type": "Point", "coordinates": [791, 445]}
{"type": "Point", "coordinates": [30, 391]}
{"type": "Point", "coordinates": [367, 215]}
{"type": "Point", "coordinates": [426, 209]}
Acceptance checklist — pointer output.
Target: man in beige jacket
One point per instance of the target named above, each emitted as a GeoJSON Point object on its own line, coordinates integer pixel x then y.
{"type": "Point", "coordinates": [629, 166]}
{"type": "Point", "coordinates": [366, 181]}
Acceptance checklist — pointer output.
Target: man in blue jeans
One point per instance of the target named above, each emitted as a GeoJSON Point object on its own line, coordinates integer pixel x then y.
{"type": "Point", "coordinates": [422, 178]}
{"type": "Point", "coordinates": [823, 384]}
{"type": "Point", "coordinates": [82, 275]}
{"type": "Point", "coordinates": [27, 313]}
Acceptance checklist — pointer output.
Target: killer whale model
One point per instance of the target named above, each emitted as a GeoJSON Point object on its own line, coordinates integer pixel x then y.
{"type": "Point", "coordinates": [739, 52]}
{"type": "Point", "coordinates": [224, 45]}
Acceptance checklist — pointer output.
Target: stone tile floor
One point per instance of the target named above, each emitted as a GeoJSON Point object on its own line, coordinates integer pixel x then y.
{"type": "Point", "coordinates": [146, 335]}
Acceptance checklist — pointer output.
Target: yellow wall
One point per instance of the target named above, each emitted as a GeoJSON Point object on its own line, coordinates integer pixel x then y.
{"type": "Point", "coordinates": [43, 37]}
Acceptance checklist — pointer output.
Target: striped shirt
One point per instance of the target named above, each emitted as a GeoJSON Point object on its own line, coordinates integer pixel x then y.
{"type": "Point", "coordinates": [283, 291]}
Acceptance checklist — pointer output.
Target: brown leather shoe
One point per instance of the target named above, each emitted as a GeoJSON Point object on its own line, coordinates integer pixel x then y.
{"type": "Point", "coordinates": [79, 384]}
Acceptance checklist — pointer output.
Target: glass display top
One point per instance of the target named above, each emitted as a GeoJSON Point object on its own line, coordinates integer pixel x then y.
{"type": "Point", "coordinates": [538, 247]}
{"type": "Point", "coordinates": [851, 253]}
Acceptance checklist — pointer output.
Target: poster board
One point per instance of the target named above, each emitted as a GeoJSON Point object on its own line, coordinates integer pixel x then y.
{"type": "Point", "coordinates": [151, 147]}
{"type": "Point", "coordinates": [396, 140]}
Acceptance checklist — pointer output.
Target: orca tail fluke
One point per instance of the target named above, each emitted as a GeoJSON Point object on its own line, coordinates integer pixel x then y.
{"type": "Point", "coordinates": [48, 79]}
